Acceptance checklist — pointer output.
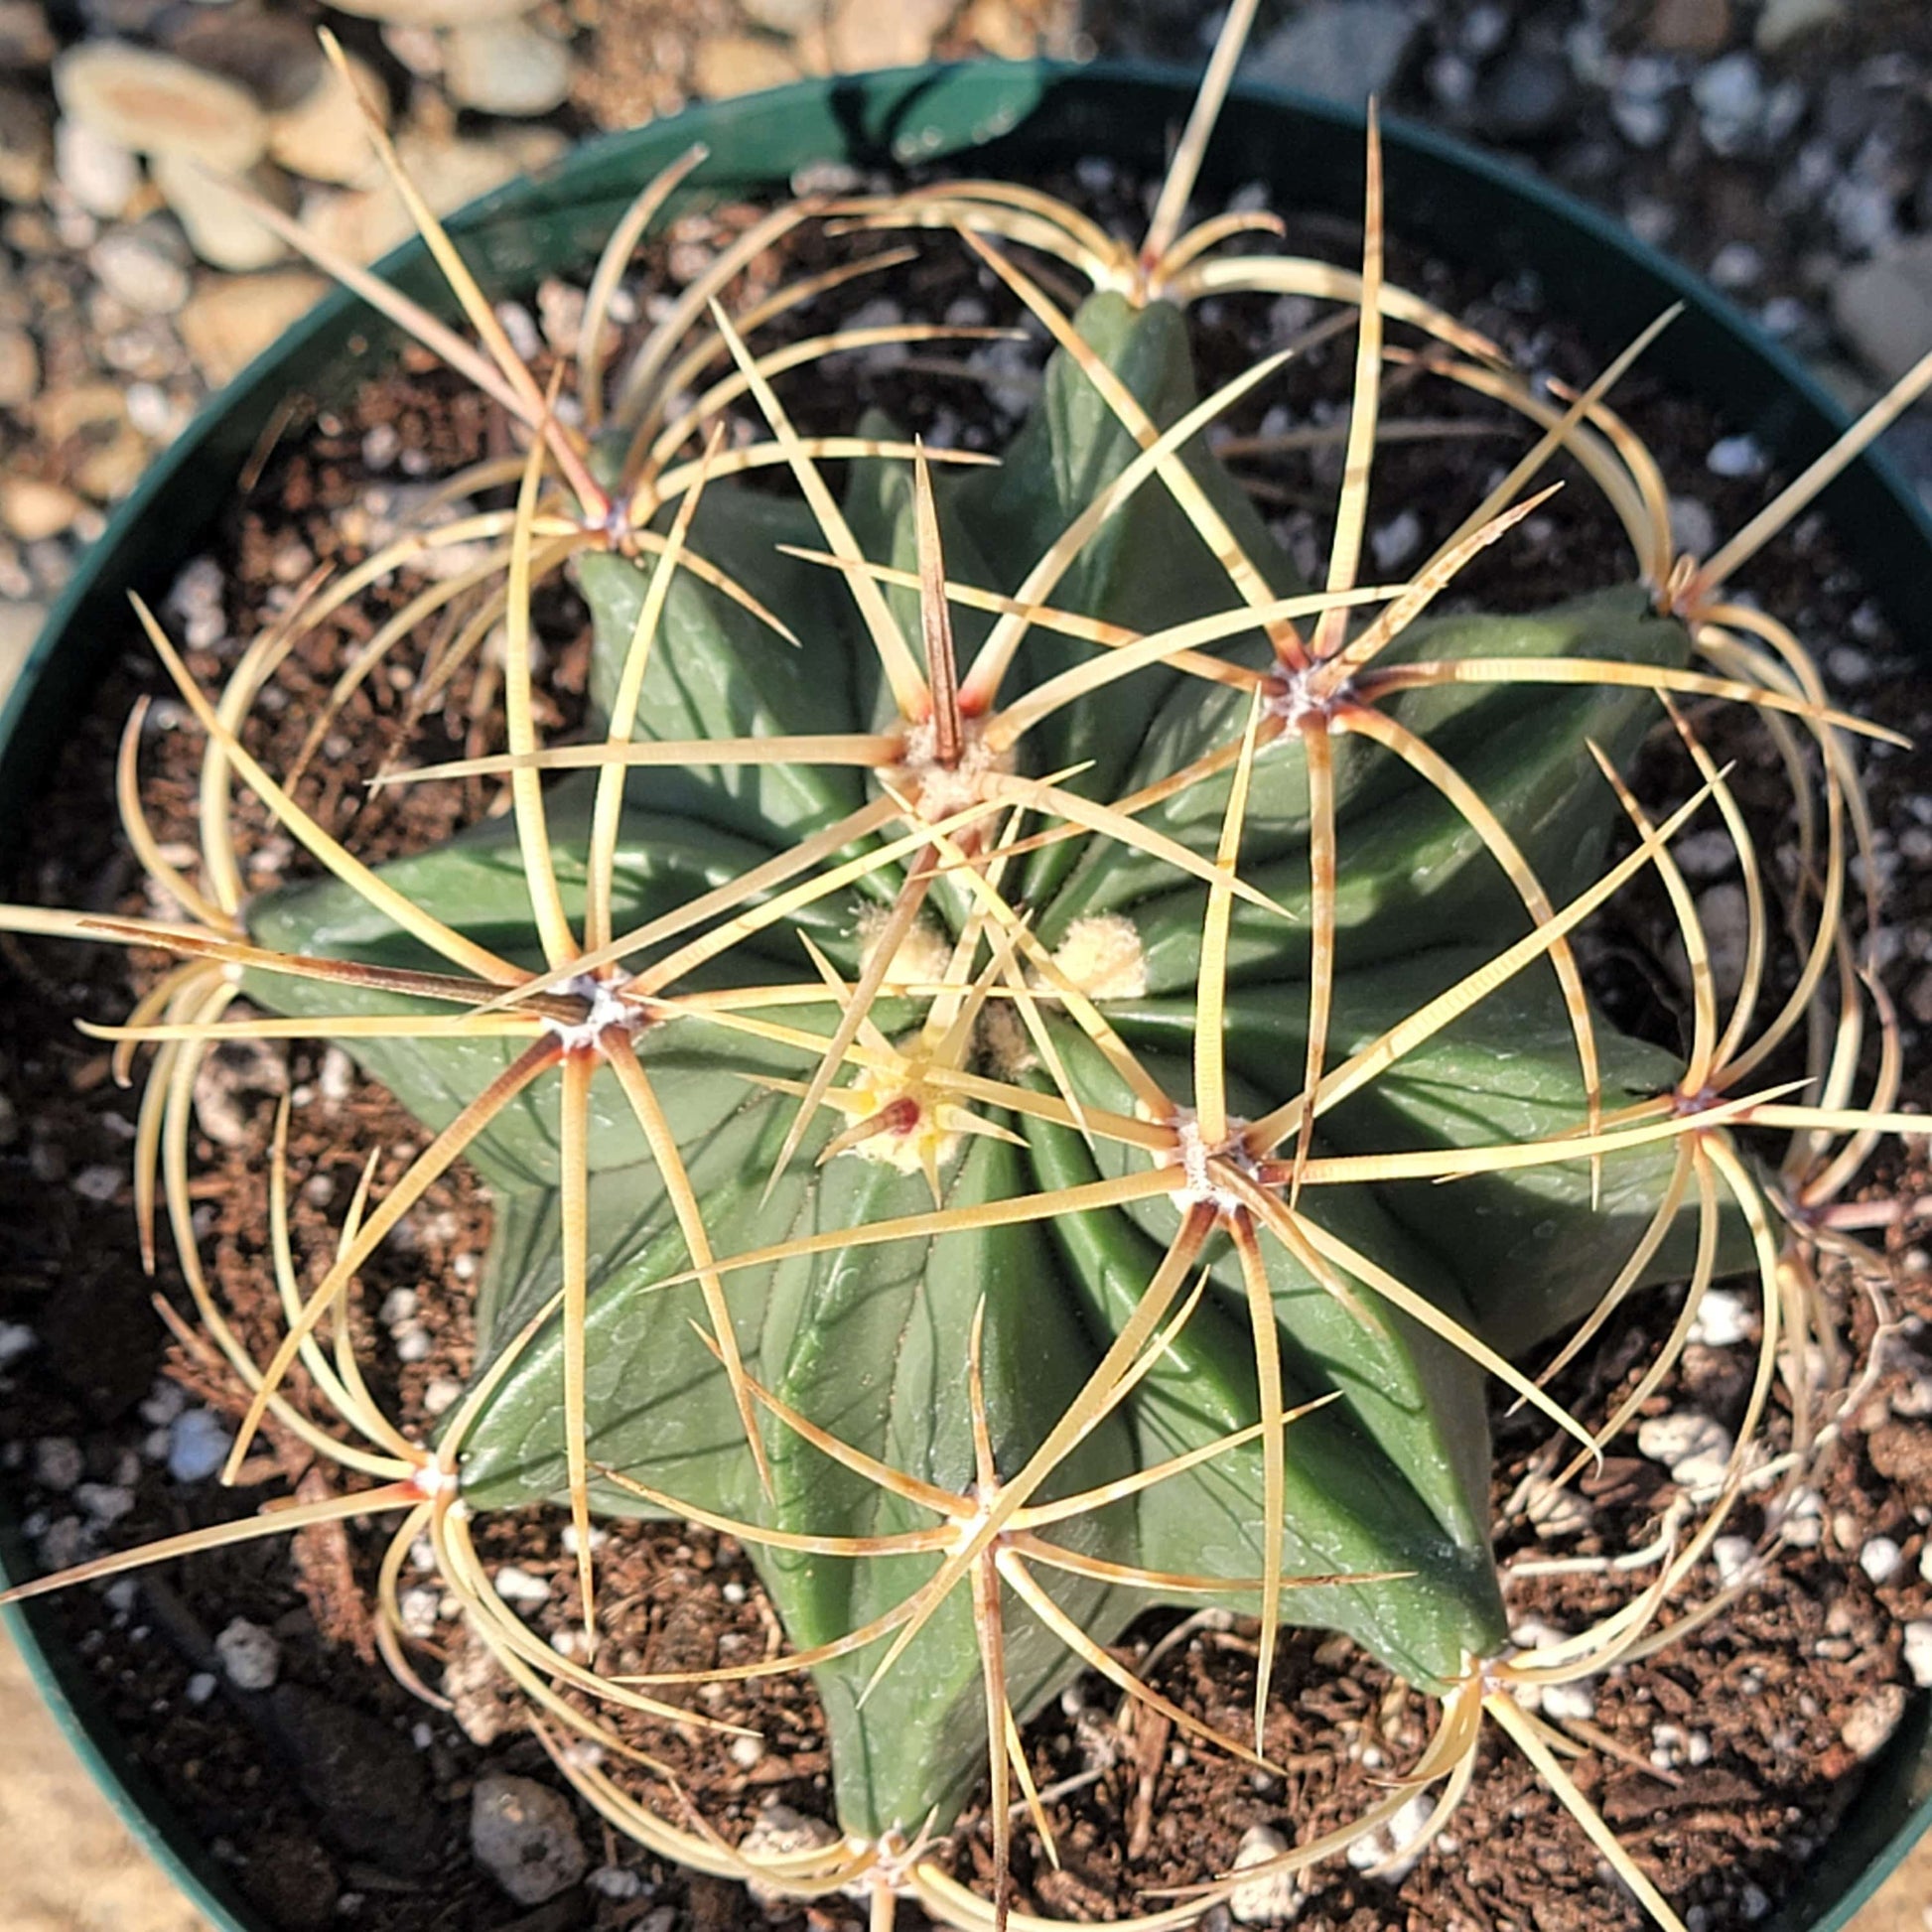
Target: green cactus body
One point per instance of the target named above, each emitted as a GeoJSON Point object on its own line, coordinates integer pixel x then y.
{"type": "Point", "coordinates": [869, 1341]}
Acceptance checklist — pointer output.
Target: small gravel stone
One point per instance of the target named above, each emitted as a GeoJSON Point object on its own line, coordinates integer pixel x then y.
{"type": "Point", "coordinates": [201, 1686]}
{"type": "Point", "coordinates": [616, 1882]}
{"type": "Point", "coordinates": [1391, 1850]}
{"type": "Point", "coordinates": [197, 1445]}
{"type": "Point", "coordinates": [1785, 22]}
{"type": "Point", "coordinates": [323, 135]}
{"type": "Point", "coordinates": [1873, 1721]}
{"type": "Point", "coordinates": [1392, 544]}
{"type": "Point", "coordinates": [525, 1837]}
{"type": "Point", "coordinates": [1723, 910]}
{"type": "Point", "coordinates": [1730, 97]}
{"type": "Point", "coordinates": [1270, 1900]}
{"type": "Point", "coordinates": [16, 1341]}
{"type": "Point", "coordinates": [739, 63]}
{"type": "Point", "coordinates": [1735, 456]}
{"type": "Point", "coordinates": [221, 226]}
{"type": "Point", "coordinates": [155, 104]}
{"type": "Point", "coordinates": [249, 1655]}
{"type": "Point", "coordinates": [104, 1502]}
{"type": "Point", "coordinates": [228, 322]}
{"type": "Point", "coordinates": [862, 34]}
{"type": "Point", "coordinates": [1880, 1557]}
{"type": "Point", "coordinates": [33, 511]}
{"type": "Point", "coordinates": [1883, 308]}
{"type": "Point", "coordinates": [1918, 1650]}
{"type": "Point", "coordinates": [1342, 49]}
{"type": "Point", "coordinates": [778, 1831]}
{"type": "Point", "coordinates": [1735, 1558]}
{"type": "Point", "coordinates": [57, 1463]}
{"type": "Point", "coordinates": [101, 174]}
{"type": "Point", "coordinates": [505, 66]}
{"type": "Point", "coordinates": [1694, 1447]}
{"type": "Point", "coordinates": [1723, 1319]}
{"type": "Point", "coordinates": [515, 1585]}
{"type": "Point", "coordinates": [1565, 1702]}
{"type": "Point", "coordinates": [134, 268]}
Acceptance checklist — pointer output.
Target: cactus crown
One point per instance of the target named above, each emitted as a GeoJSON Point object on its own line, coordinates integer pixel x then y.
{"type": "Point", "coordinates": [964, 1051]}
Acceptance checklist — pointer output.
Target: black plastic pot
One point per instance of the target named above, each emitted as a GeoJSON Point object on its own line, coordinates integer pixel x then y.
{"type": "Point", "coordinates": [1458, 204]}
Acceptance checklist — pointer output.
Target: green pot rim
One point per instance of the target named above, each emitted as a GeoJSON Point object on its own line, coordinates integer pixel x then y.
{"type": "Point", "coordinates": [1461, 204]}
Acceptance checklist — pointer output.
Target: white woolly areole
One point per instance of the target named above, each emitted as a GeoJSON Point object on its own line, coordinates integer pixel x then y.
{"type": "Point", "coordinates": [1299, 698]}
{"type": "Point", "coordinates": [922, 956]}
{"type": "Point", "coordinates": [1191, 1156]}
{"type": "Point", "coordinates": [1102, 955]}
{"type": "Point", "coordinates": [608, 1008]}
{"type": "Point", "coordinates": [937, 791]}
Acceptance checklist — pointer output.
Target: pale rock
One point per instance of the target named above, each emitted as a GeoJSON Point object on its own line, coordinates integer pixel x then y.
{"type": "Point", "coordinates": [101, 174]}
{"type": "Point", "coordinates": [524, 1835]}
{"type": "Point", "coordinates": [434, 13]}
{"type": "Point", "coordinates": [198, 1446]}
{"type": "Point", "coordinates": [1918, 1651]}
{"type": "Point", "coordinates": [1730, 97]}
{"type": "Point", "coordinates": [778, 1831]}
{"type": "Point", "coordinates": [221, 226]}
{"type": "Point", "coordinates": [739, 63]}
{"type": "Point", "coordinates": [1735, 456]}
{"type": "Point", "coordinates": [1723, 910]}
{"type": "Point", "coordinates": [1341, 49]}
{"type": "Point", "coordinates": [505, 67]}
{"type": "Point", "coordinates": [1880, 1559]}
{"type": "Point", "coordinates": [228, 322]}
{"type": "Point", "coordinates": [515, 1585]}
{"type": "Point", "coordinates": [1784, 22]}
{"type": "Point", "coordinates": [1395, 542]}
{"type": "Point", "coordinates": [155, 104]}
{"type": "Point", "coordinates": [1569, 1703]}
{"type": "Point", "coordinates": [1391, 1850]}
{"type": "Point", "coordinates": [419, 49]}
{"type": "Point", "coordinates": [250, 1656]}
{"type": "Point", "coordinates": [1737, 265]}
{"type": "Point", "coordinates": [1883, 308]}
{"type": "Point", "coordinates": [1704, 855]}
{"type": "Point", "coordinates": [1695, 1449]}
{"type": "Point", "coordinates": [1736, 1559]}
{"type": "Point", "coordinates": [324, 135]}
{"type": "Point", "coordinates": [59, 1463]}
{"type": "Point", "coordinates": [1873, 1719]}
{"type": "Point", "coordinates": [616, 1881]}
{"type": "Point", "coordinates": [785, 16]}
{"type": "Point", "coordinates": [20, 368]}
{"type": "Point", "coordinates": [32, 510]}
{"type": "Point", "coordinates": [864, 33]}
{"type": "Point", "coordinates": [139, 271]}
{"type": "Point", "coordinates": [1272, 1899]}
{"type": "Point", "coordinates": [20, 625]}
{"type": "Point", "coordinates": [1723, 1319]}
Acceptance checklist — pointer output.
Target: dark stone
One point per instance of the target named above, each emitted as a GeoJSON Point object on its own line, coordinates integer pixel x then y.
{"type": "Point", "coordinates": [1528, 95]}
{"type": "Point", "coordinates": [366, 1781]}
{"type": "Point", "coordinates": [102, 1336]}
{"type": "Point", "coordinates": [290, 1878]}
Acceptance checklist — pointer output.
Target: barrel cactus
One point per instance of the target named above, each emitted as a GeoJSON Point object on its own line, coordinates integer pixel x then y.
{"type": "Point", "coordinates": [964, 1051]}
